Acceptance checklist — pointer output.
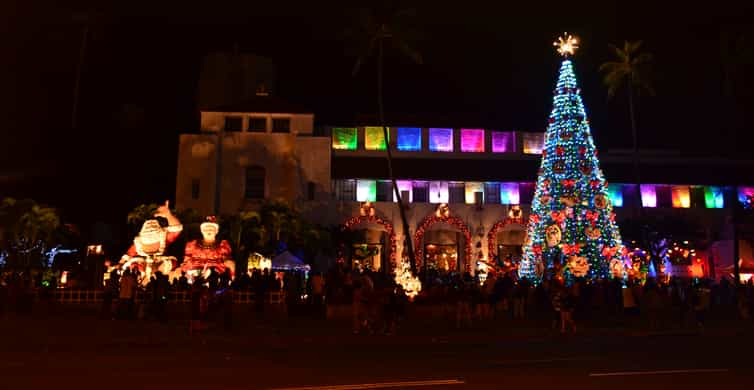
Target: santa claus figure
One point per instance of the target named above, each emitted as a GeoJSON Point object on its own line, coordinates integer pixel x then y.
{"type": "Point", "coordinates": [146, 253]}
{"type": "Point", "coordinates": [208, 254]}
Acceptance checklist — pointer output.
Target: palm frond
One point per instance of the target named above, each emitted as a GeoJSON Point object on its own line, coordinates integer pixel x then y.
{"type": "Point", "coordinates": [409, 52]}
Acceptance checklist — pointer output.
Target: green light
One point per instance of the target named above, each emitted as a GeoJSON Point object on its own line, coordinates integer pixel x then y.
{"type": "Point", "coordinates": [713, 198]}
{"type": "Point", "coordinates": [344, 138]}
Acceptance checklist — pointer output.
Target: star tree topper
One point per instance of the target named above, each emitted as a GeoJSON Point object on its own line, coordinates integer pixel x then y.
{"type": "Point", "coordinates": [566, 44]}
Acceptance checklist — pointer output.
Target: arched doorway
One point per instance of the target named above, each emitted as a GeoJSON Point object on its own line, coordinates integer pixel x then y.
{"type": "Point", "coordinates": [506, 238]}
{"type": "Point", "coordinates": [443, 242]}
{"type": "Point", "coordinates": [373, 244]}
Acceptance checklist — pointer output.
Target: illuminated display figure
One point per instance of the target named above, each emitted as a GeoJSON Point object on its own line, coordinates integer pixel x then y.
{"type": "Point", "coordinates": [208, 253]}
{"type": "Point", "coordinates": [146, 253]}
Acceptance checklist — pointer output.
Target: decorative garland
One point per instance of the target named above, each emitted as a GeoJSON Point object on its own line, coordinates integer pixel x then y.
{"type": "Point", "coordinates": [433, 219]}
{"type": "Point", "coordinates": [349, 223]}
{"type": "Point", "coordinates": [492, 235]}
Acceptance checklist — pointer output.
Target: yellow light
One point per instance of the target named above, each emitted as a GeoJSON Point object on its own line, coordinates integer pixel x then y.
{"type": "Point", "coordinates": [566, 44]}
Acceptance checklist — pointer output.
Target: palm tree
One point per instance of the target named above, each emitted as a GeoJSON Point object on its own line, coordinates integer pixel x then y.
{"type": "Point", "coordinates": [29, 228]}
{"type": "Point", "coordinates": [141, 213]}
{"type": "Point", "coordinates": [630, 69]}
{"type": "Point", "coordinates": [381, 27]}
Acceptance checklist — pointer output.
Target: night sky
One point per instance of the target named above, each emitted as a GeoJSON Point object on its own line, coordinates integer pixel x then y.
{"type": "Point", "coordinates": [487, 65]}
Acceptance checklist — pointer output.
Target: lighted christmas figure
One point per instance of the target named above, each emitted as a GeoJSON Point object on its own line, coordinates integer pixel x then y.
{"type": "Point", "coordinates": [146, 253]}
{"type": "Point", "coordinates": [571, 231]}
{"type": "Point", "coordinates": [208, 253]}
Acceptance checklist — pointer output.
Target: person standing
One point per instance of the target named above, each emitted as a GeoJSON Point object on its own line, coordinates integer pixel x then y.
{"type": "Point", "coordinates": [127, 294]}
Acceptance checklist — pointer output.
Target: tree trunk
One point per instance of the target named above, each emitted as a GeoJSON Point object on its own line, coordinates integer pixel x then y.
{"type": "Point", "coordinates": [634, 137]}
{"type": "Point", "coordinates": [77, 81]}
{"type": "Point", "coordinates": [381, 112]}
{"type": "Point", "coordinates": [218, 171]}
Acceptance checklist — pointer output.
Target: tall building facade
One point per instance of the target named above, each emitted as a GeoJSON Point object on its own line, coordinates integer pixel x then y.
{"type": "Point", "coordinates": [467, 191]}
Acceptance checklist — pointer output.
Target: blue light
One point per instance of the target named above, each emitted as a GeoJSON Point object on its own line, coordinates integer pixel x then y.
{"type": "Point", "coordinates": [409, 139]}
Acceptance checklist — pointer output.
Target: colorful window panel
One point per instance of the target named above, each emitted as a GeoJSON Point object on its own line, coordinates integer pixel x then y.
{"type": "Point", "coordinates": [438, 192]}
{"type": "Point", "coordinates": [509, 193]}
{"type": "Point", "coordinates": [409, 139]}
{"type": "Point", "coordinates": [344, 138]}
{"type": "Point", "coordinates": [533, 142]}
{"type": "Point", "coordinates": [648, 195]}
{"type": "Point", "coordinates": [503, 142]}
{"type": "Point", "coordinates": [472, 140]}
{"type": "Point", "coordinates": [440, 140]}
{"type": "Point", "coordinates": [713, 198]}
{"type": "Point", "coordinates": [374, 138]}
{"type": "Point", "coordinates": [615, 192]}
{"type": "Point", "coordinates": [366, 190]}
{"type": "Point", "coordinates": [403, 187]}
{"type": "Point", "coordinates": [474, 189]}
{"type": "Point", "coordinates": [681, 196]}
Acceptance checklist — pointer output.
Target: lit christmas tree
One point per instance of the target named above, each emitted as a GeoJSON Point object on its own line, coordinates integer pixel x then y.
{"type": "Point", "coordinates": [571, 230]}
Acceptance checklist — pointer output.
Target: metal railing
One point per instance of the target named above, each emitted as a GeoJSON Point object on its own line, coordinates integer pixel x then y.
{"type": "Point", "coordinates": [97, 296]}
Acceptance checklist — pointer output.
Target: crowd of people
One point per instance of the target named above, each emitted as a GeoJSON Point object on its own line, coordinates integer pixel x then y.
{"type": "Point", "coordinates": [378, 303]}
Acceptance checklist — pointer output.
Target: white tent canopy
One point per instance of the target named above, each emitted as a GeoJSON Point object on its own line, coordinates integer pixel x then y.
{"type": "Point", "coordinates": [286, 261]}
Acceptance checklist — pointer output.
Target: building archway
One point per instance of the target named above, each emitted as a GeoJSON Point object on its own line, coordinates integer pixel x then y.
{"type": "Point", "coordinates": [364, 220]}
{"type": "Point", "coordinates": [448, 220]}
{"type": "Point", "coordinates": [510, 224]}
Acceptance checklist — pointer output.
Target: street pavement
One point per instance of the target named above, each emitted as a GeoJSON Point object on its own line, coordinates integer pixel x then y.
{"type": "Point", "coordinates": [77, 350]}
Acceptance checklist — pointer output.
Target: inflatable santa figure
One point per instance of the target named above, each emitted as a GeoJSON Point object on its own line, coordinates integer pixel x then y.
{"type": "Point", "coordinates": [146, 252]}
{"type": "Point", "coordinates": [208, 254]}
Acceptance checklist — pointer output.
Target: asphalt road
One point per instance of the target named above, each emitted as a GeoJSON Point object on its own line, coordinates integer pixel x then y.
{"type": "Point", "coordinates": [86, 353]}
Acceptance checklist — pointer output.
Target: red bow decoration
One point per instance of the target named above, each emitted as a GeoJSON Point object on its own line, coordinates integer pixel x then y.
{"type": "Point", "coordinates": [533, 218]}
{"type": "Point", "coordinates": [571, 249]}
{"type": "Point", "coordinates": [582, 150]}
{"type": "Point", "coordinates": [568, 182]}
{"type": "Point", "coordinates": [559, 150]}
{"type": "Point", "coordinates": [557, 216]}
{"type": "Point", "coordinates": [537, 249]}
{"type": "Point", "coordinates": [592, 215]}
{"type": "Point", "coordinates": [595, 183]}
{"type": "Point", "coordinates": [609, 251]}
{"type": "Point", "coordinates": [612, 217]}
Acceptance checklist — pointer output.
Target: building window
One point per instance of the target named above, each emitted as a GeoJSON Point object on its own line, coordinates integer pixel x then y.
{"type": "Point", "coordinates": [438, 192]}
{"type": "Point", "coordinates": [281, 125]}
{"type": "Point", "coordinates": [258, 125]}
{"type": "Point", "coordinates": [509, 194]}
{"type": "Point", "coordinates": [409, 139]}
{"type": "Point", "coordinates": [255, 182]}
{"type": "Point", "coordinates": [421, 192]}
{"type": "Point", "coordinates": [713, 197]}
{"type": "Point", "coordinates": [344, 138]}
{"type": "Point", "coordinates": [472, 140]}
{"type": "Point", "coordinates": [615, 192]}
{"type": "Point", "coordinates": [492, 193]}
{"type": "Point", "coordinates": [195, 189]}
{"type": "Point", "coordinates": [374, 138]}
{"type": "Point", "coordinates": [404, 188]}
{"type": "Point", "coordinates": [311, 190]}
{"type": "Point", "coordinates": [233, 123]}
{"type": "Point", "coordinates": [456, 192]}
{"type": "Point", "coordinates": [503, 142]}
{"type": "Point", "coordinates": [345, 190]}
{"type": "Point", "coordinates": [384, 190]}
{"type": "Point", "coordinates": [473, 191]}
{"type": "Point", "coordinates": [533, 142]}
{"type": "Point", "coordinates": [366, 190]}
{"type": "Point", "coordinates": [440, 140]}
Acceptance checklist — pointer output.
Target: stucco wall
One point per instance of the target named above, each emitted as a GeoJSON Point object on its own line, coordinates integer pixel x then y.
{"type": "Point", "coordinates": [300, 123]}
{"type": "Point", "coordinates": [290, 162]}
